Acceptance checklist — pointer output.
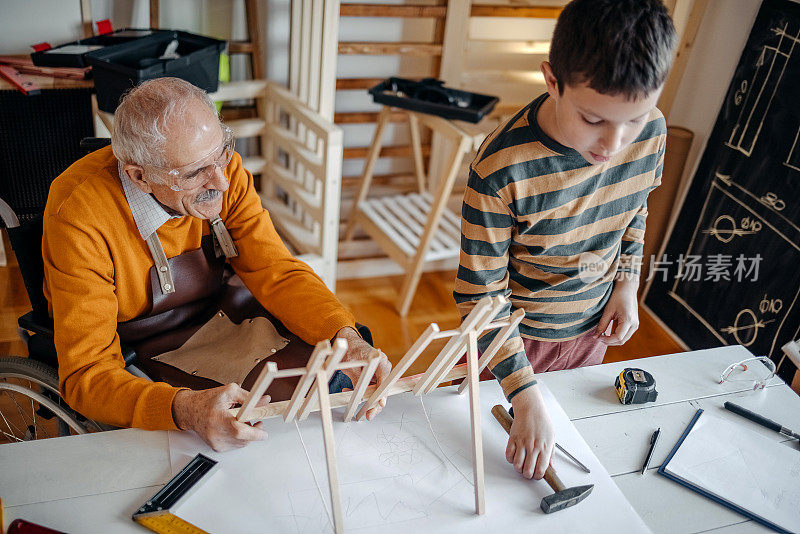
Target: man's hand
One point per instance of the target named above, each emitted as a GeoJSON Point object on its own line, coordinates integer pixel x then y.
{"type": "Point", "coordinates": [531, 440]}
{"type": "Point", "coordinates": [206, 412]}
{"type": "Point", "coordinates": [622, 308]}
{"type": "Point", "coordinates": [358, 349]}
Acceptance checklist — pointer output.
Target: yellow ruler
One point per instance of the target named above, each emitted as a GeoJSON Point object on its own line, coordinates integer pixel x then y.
{"type": "Point", "coordinates": [168, 523]}
{"type": "Point", "coordinates": [156, 514]}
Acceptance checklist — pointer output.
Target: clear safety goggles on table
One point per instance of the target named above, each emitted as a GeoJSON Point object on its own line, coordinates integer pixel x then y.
{"type": "Point", "coordinates": [758, 371]}
{"type": "Point", "coordinates": [200, 172]}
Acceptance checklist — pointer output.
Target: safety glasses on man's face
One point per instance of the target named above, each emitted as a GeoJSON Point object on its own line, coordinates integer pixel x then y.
{"type": "Point", "coordinates": [200, 172]}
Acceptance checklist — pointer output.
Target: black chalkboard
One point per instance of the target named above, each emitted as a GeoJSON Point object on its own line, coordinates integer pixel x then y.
{"type": "Point", "coordinates": [731, 269]}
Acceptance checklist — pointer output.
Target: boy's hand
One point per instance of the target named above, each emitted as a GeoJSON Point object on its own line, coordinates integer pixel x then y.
{"type": "Point", "coordinates": [531, 440]}
{"type": "Point", "coordinates": [623, 309]}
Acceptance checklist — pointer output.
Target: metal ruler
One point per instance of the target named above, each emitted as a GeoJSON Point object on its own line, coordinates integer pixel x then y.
{"type": "Point", "coordinates": [156, 514]}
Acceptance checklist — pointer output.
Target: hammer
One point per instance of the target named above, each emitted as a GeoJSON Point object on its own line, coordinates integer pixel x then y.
{"type": "Point", "coordinates": [563, 497]}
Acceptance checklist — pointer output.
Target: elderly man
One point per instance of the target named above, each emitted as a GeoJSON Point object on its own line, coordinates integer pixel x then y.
{"type": "Point", "coordinates": [123, 249]}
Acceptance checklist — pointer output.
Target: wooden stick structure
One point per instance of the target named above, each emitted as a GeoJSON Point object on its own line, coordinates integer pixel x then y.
{"type": "Point", "coordinates": [311, 393]}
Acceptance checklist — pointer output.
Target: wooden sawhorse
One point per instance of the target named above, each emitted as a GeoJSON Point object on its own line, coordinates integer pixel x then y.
{"type": "Point", "coordinates": [415, 228]}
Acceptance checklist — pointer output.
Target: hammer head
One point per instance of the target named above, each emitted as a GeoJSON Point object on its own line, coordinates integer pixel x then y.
{"type": "Point", "coordinates": [565, 498]}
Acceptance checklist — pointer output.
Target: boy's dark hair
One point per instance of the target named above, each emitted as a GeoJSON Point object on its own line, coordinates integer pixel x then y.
{"type": "Point", "coordinates": [616, 46]}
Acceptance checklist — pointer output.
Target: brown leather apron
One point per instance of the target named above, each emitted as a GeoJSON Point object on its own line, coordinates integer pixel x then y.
{"type": "Point", "coordinates": [204, 284]}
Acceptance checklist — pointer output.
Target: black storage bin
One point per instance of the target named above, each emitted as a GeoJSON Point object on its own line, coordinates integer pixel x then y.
{"type": "Point", "coordinates": [72, 54]}
{"type": "Point", "coordinates": [119, 68]}
{"type": "Point", "coordinates": [432, 97]}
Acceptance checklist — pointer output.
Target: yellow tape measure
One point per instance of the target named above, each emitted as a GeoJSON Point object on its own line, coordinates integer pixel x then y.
{"type": "Point", "coordinates": [167, 523]}
{"type": "Point", "coordinates": [155, 514]}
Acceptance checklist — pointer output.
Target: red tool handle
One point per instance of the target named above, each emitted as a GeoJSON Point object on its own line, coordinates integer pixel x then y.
{"type": "Point", "coordinates": [20, 526]}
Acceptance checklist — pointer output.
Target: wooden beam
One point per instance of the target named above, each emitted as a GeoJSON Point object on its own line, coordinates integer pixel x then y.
{"type": "Point", "coordinates": [240, 47]}
{"type": "Point", "coordinates": [388, 48]}
{"type": "Point", "coordinates": [359, 117]}
{"type": "Point", "coordinates": [395, 178]}
{"type": "Point", "coordinates": [682, 57]}
{"type": "Point", "coordinates": [154, 15]}
{"type": "Point", "coordinates": [344, 84]}
{"type": "Point", "coordinates": [87, 24]}
{"type": "Point", "coordinates": [538, 12]}
{"type": "Point", "coordinates": [398, 151]}
{"type": "Point", "coordinates": [383, 10]}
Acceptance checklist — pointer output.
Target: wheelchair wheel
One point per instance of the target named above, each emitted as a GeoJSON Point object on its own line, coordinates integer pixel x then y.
{"type": "Point", "coordinates": [31, 406]}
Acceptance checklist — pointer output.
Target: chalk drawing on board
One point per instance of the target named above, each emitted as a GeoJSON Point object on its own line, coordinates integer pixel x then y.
{"type": "Point", "coordinates": [755, 104]}
{"type": "Point", "coordinates": [673, 292]}
{"type": "Point", "coordinates": [793, 159]}
{"type": "Point", "coordinates": [725, 228]}
{"type": "Point", "coordinates": [770, 200]}
{"type": "Point", "coordinates": [745, 327]}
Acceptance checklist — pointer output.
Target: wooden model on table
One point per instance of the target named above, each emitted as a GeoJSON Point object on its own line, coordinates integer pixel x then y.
{"type": "Point", "coordinates": [311, 392]}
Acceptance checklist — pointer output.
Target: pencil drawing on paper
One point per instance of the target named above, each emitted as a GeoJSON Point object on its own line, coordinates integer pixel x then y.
{"type": "Point", "coordinates": [410, 462]}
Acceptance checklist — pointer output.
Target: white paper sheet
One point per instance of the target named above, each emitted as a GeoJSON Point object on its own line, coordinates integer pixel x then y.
{"type": "Point", "coordinates": [394, 477]}
{"type": "Point", "coordinates": [742, 467]}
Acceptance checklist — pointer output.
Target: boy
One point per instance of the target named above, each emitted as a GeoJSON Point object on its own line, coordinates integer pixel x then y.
{"type": "Point", "coordinates": [554, 212]}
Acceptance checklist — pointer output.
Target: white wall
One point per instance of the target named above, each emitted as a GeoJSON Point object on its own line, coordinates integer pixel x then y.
{"type": "Point", "coordinates": [720, 41]}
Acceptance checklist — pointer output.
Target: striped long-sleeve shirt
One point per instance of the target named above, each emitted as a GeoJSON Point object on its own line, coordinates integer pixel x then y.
{"type": "Point", "coordinates": [550, 231]}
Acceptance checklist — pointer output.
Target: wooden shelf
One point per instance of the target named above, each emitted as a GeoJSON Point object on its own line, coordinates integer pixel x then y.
{"type": "Point", "coordinates": [346, 84]}
{"type": "Point", "coordinates": [538, 12]}
{"type": "Point", "coordinates": [389, 48]}
{"type": "Point", "coordinates": [364, 117]}
{"type": "Point", "coordinates": [399, 151]}
{"type": "Point", "coordinates": [383, 10]}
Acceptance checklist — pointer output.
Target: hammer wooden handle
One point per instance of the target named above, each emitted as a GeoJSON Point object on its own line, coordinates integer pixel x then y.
{"type": "Point", "coordinates": [505, 420]}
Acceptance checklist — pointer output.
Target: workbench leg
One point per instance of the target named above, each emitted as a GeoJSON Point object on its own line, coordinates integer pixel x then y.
{"type": "Point", "coordinates": [369, 168]}
{"type": "Point", "coordinates": [416, 147]}
{"type": "Point", "coordinates": [475, 421]}
{"type": "Point", "coordinates": [330, 450]}
{"type": "Point", "coordinates": [438, 205]}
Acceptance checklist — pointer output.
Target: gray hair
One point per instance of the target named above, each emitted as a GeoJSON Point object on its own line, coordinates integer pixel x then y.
{"type": "Point", "coordinates": [140, 121]}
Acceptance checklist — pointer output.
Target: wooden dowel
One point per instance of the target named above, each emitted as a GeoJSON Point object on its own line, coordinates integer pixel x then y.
{"type": "Point", "coordinates": [330, 449]}
{"type": "Point", "coordinates": [456, 342]}
{"type": "Point", "coordinates": [497, 304]}
{"type": "Point", "coordinates": [394, 376]}
{"type": "Point", "coordinates": [321, 351]}
{"type": "Point", "coordinates": [475, 421]}
{"type": "Point", "coordinates": [330, 365]}
{"type": "Point", "coordinates": [401, 385]}
{"type": "Point", "coordinates": [363, 382]}
{"type": "Point", "coordinates": [261, 384]}
{"type": "Point", "coordinates": [496, 343]}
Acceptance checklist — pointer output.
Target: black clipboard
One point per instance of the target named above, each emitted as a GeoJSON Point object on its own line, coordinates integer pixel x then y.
{"type": "Point", "coordinates": [736, 508]}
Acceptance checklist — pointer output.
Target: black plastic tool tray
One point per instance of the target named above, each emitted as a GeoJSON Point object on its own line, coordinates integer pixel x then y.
{"type": "Point", "coordinates": [67, 56]}
{"type": "Point", "coordinates": [117, 69]}
{"type": "Point", "coordinates": [431, 97]}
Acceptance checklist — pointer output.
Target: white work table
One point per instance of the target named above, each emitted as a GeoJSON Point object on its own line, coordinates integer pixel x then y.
{"type": "Point", "coordinates": [95, 482]}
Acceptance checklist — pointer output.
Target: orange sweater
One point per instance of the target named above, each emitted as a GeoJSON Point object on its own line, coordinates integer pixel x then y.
{"type": "Point", "coordinates": [96, 274]}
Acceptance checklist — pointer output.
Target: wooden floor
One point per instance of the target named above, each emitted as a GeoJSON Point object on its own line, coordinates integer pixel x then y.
{"type": "Point", "coordinates": [372, 301]}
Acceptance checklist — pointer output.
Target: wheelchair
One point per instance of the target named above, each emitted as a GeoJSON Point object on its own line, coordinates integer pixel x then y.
{"type": "Point", "coordinates": [31, 406]}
